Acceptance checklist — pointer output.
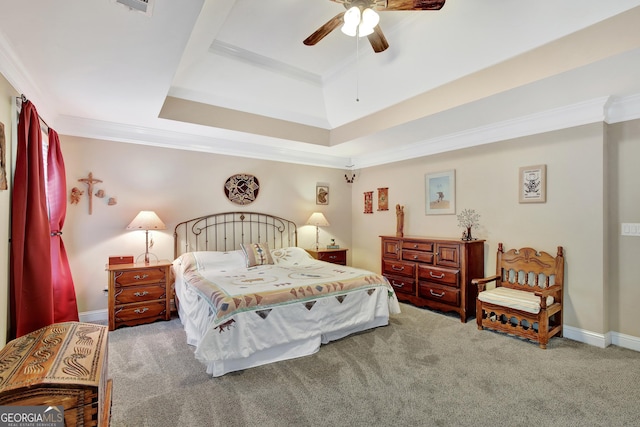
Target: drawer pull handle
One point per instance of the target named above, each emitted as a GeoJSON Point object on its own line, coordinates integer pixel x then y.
{"type": "Point", "coordinates": [141, 310]}
{"type": "Point", "coordinates": [332, 257]}
{"type": "Point", "coordinates": [141, 294]}
{"type": "Point", "coordinates": [435, 294]}
{"type": "Point", "coordinates": [436, 277]}
{"type": "Point", "coordinates": [396, 284]}
{"type": "Point", "coordinates": [415, 257]}
{"type": "Point", "coordinates": [139, 277]}
{"type": "Point", "coordinates": [415, 246]}
{"type": "Point", "coordinates": [396, 268]}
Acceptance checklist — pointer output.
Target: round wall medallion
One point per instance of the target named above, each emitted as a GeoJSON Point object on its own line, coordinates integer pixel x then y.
{"type": "Point", "coordinates": [242, 188]}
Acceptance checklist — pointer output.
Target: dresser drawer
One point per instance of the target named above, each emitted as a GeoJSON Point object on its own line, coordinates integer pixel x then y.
{"type": "Point", "coordinates": [398, 268]}
{"type": "Point", "coordinates": [131, 294]}
{"type": "Point", "coordinates": [439, 275]}
{"type": "Point", "coordinates": [139, 277]}
{"type": "Point", "coordinates": [417, 256]}
{"type": "Point", "coordinates": [436, 292]}
{"type": "Point", "coordinates": [418, 246]}
{"type": "Point", "coordinates": [129, 312]}
{"type": "Point", "coordinates": [337, 257]}
{"type": "Point", "coordinates": [404, 285]}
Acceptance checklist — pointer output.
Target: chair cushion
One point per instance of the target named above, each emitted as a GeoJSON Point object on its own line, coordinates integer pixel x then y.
{"type": "Point", "coordinates": [513, 298]}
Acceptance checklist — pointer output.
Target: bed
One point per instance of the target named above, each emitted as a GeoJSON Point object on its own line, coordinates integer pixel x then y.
{"type": "Point", "coordinates": [247, 295]}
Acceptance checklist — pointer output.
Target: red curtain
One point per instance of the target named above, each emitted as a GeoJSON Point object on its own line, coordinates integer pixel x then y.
{"type": "Point", "coordinates": [41, 288]}
{"type": "Point", "coordinates": [65, 308]}
{"type": "Point", "coordinates": [30, 277]}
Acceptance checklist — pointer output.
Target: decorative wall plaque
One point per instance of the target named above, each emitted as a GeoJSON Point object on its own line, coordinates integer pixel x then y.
{"type": "Point", "coordinates": [242, 188]}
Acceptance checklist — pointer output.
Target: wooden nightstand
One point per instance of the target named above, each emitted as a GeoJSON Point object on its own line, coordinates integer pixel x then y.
{"type": "Point", "coordinates": [139, 293]}
{"type": "Point", "coordinates": [335, 256]}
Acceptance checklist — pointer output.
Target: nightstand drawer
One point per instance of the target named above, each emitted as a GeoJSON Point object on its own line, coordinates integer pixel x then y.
{"type": "Point", "coordinates": [130, 294]}
{"type": "Point", "coordinates": [337, 257]}
{"type": "Point", "coordinates": [138, 313]}
{"type": "Point", "coordinates": [141, 276]}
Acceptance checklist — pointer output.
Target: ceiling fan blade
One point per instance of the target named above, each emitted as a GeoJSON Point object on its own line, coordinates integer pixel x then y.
{"type": "Point", "coordinates": [322, 32]}
{"type": "Point", "coordinates": [413, 5]}
{"type": "Point", "coordinates": [378, 40]}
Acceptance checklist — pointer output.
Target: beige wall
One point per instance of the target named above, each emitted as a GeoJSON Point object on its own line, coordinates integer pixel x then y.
{"type": "Point", "coordinates": [487, 181]}
{"type": "Point", "coordinates": [6, 94]}
{"type": "Point", "coordinates": [591, 174]}
{"type": "Point", "coordinates": [179, 185]}
{"type": "Point", "coordinates": [623, 201]}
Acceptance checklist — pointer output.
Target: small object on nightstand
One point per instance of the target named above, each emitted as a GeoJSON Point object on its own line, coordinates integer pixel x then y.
{"type": "Point", "coordinates": [139, 293]}
{"type": "Point", "coordinates": [116, 260]}
{"type": "Point", "coordinates": [333, 245]}
{"type": "Point", "coordinates": [335, 256]}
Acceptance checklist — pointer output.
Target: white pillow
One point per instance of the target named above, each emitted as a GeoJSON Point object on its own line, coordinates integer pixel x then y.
{"type": "Point", "coordinates": [214, 260]}
{"type": "Point", "coordinates": [291, 256]}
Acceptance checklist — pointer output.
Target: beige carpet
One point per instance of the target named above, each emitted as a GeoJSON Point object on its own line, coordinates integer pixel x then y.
{"type": "Point", "coordinates": [424, 369]}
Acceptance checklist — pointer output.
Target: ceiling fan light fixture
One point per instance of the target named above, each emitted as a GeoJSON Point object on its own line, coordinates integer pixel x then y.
{"type": "Point", "coordinates": [359, 23]}
{"type": "Point", "coordinates": [369, 19]}
{"type": "Point", "coordinates": [351, 21]}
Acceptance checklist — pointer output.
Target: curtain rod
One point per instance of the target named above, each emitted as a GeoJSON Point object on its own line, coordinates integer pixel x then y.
{"type": "Point", "coordinates": [21, 100]}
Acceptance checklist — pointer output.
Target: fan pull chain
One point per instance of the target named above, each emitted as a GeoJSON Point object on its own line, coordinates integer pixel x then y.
{"type": "Point", "coordinates": [358, 63]}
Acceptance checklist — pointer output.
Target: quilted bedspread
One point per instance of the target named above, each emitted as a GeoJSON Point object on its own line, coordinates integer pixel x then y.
{"type": "Point", "coordinates": [293, 278]}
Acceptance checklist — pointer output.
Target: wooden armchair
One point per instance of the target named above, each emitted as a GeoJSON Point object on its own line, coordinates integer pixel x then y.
{"type": "Point", "coordinates": [527, 298]}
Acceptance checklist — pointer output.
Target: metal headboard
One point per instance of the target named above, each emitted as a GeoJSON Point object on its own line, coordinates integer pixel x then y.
{"type": "Point", "coordinates": [227, 231]}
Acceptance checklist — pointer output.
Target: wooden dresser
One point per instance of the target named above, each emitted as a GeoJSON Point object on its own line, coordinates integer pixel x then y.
{"type": "Point", "coordinates": [434, 272]}
{"type": "Point", "coordinates": [60, 365]}
{"type": "Point", "coordinates": [139, 293]}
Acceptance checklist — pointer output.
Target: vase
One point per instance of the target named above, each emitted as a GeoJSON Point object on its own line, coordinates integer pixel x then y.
{"type": "Point", "coordinates": [469, 234]}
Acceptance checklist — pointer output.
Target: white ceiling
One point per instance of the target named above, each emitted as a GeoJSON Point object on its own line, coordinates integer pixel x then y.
{"type": "Point", "coordinates": [233, 76]}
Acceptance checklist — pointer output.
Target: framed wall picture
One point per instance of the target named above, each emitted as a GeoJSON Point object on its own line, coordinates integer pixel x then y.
{"type": "Point", "coordinates": [533, 184]}
{"type": "Point", "coordinates": [440, 193]}
{"type": "Point", "coordinates": [368, 202]}
{"type": "Point", "coordinates": [322, 194]}
{"type": "Point", "coordinates": [383, 199]}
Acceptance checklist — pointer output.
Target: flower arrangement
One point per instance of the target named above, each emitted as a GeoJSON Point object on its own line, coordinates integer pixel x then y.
{"type": "Point", "coordinates": [468, 219]}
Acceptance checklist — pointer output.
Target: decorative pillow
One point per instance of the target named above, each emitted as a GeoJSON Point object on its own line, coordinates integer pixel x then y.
{"type": "Point", "coordinates": [257, 254]}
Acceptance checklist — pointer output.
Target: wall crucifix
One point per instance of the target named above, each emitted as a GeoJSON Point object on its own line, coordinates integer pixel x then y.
{"type": "Point", "coordinates": [90, 180]}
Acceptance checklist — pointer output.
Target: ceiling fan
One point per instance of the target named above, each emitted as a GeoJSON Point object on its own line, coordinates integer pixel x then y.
{"type": "Point", "coordinates": [358, 21]}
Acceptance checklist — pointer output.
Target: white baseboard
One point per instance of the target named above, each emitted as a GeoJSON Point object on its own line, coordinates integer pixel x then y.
{"type": "Point", "coordinates": [601, 340]}
{"type": "Point", "coordinates": [626, 341]}
{"type": "Point", "coordinates": [95, 316]}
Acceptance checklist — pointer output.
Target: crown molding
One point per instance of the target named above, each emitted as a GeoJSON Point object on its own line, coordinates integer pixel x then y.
{"type": "Point", "coordinates": [118, 132]}
{"type": "Point", "coordinates": [559, 118]}
{"type": "Point", "coordinates": [623, 109]}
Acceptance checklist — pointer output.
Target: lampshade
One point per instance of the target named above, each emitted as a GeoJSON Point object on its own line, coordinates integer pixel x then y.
{"type": "Point", "coordinates": [318, 219]}
{"type": "Point", "coordinates": [146, 220]}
